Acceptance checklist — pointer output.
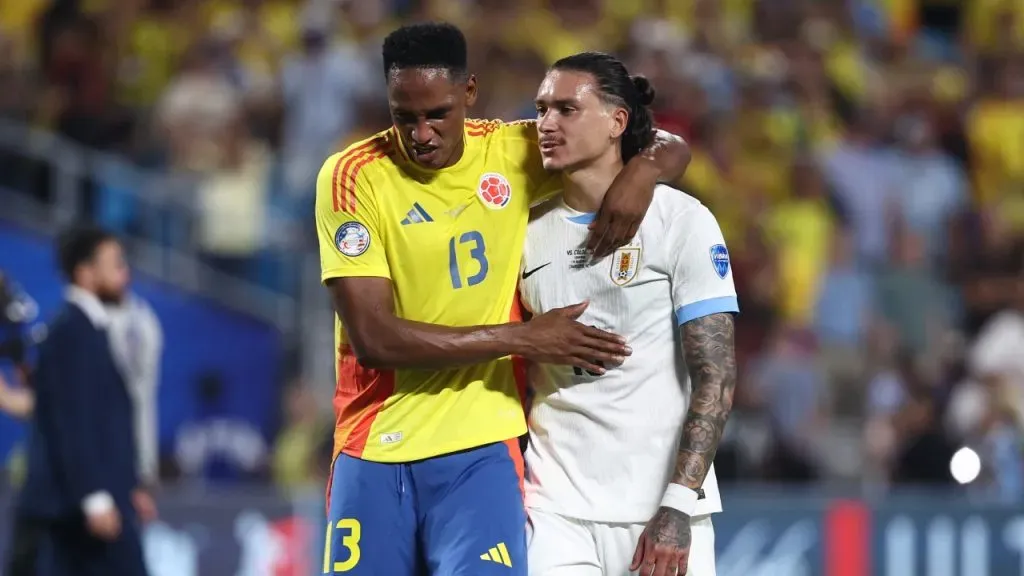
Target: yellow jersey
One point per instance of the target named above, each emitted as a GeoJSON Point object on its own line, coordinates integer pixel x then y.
{"type": "Point", "coordinates": [451, 241]}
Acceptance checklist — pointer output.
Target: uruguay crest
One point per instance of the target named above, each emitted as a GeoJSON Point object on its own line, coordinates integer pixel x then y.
{"type": "Point", "coordinates": [625, 264]}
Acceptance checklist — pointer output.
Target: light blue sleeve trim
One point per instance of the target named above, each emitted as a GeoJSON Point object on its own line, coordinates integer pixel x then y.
{"type": "Point", "coordinates": [707, 307]}
{"type": "Point", "coordinates": [585, 218]}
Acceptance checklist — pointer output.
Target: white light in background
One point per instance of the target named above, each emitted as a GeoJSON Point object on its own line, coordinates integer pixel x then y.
{"type": "Point", "coordinates": [965, 465]}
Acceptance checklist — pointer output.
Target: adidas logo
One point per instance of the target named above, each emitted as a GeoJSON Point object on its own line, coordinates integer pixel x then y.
{"type": "Point", "coordinates": [498, 554]}
{"type": "Point", "coordinates": [417, 215]}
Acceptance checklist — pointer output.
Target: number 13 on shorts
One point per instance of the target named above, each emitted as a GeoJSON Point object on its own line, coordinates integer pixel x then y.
{"type": "Point", "coordinates": [347, 531]}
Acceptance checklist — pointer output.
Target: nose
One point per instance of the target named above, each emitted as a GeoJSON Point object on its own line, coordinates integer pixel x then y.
{"type": "Point", "coordinates": [422, 133]}
{"type": "Point", "coordinates": [547, 124]}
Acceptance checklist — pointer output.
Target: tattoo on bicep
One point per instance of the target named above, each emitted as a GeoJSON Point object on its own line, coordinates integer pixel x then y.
{"type": "Point", "coordinates": [709, 351]}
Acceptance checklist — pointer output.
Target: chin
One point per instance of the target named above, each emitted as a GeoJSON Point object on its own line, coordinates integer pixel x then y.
{"type": "Point", "coordinates": [552, 164]}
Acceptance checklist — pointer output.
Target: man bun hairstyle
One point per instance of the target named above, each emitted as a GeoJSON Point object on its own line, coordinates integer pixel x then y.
{"type": "Point", "coordinates": [644, 90]}
{"type": "Point", "coordinates": [426, 45]}
{"type": "Point", "coordinates": [616, 87]}
{"type": "Point", "coordinates": [77, 246]}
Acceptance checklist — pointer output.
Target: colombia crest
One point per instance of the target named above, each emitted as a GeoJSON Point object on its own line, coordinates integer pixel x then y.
{"type": "Point", "coordinates": [494, 190]}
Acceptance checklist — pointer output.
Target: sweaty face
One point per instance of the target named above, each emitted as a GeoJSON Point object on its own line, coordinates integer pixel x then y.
{"type": "Point", "coordinates": [428, 109]}
{"type": "Point", "coordinates": [109, 272]}
{"type": "Point", "coordinates": [576, 126]}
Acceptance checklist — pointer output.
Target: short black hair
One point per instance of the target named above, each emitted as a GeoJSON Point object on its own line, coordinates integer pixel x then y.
{"type": "Point", "coordinates": [426, 45]}
{"type": "Point", "coordinates": [617, 87]}
{"type": "Point", "coordinates": [78, 245]}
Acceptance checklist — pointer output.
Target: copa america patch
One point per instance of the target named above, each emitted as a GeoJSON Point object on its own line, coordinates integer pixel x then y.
{"type": "Point", "coordinates": [720, 259]}
{"type": "Point", "coordinates": [352, 239]}
{"type": "Point", "coordinates": [494, 190]}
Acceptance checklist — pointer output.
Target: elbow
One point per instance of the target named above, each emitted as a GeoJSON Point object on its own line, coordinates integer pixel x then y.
{"type": "Point", "coordinates": [375, 351]}
{"type": "Point", "coordinates": [372, 357]}
{"type": "Point", "coordinates": [682, 157]}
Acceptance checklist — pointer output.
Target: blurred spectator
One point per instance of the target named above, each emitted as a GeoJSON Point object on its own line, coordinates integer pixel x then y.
{"type": "Point", "coordinates": [929, 185]}
{"type": "Point", "coordinates": [296, 453]}
{"type": "Point", "coordinates": [801, 229]}
{"type": "Point", "coordinates": [322, 85]}
{"type": "Point", "coordinates": [201, 114]}
{"type": "Point", "coordinates": [843, 319]}
{"type": "Point", "coordinates": [861, 173]}
{"type": "Point", "coordinates": [793, 392]}
{"type": "Point", "coordinates": [912, 300]}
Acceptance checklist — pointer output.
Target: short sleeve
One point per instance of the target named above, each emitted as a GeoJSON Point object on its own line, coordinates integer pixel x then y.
{"type": "Point", "coordinates": [702, 281]}
{"type": "Point", "coordinates": [348, 225]}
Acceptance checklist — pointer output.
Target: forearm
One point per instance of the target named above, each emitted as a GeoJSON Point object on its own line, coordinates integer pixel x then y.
{"type": "Point", "coordinates": [710, 358]}
{"type": "Point", "coordinates": [665, 159]}
{"type": "Point", "coordinates": [400, 343]}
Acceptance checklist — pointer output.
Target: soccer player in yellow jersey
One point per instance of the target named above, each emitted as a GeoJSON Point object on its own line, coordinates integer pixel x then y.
{"type": "Point", "coordinates": [421, 231]}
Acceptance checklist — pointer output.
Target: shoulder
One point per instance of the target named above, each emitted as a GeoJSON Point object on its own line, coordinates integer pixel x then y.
{"type": "Point", "coordinates": [518, 130]}
{"type": "Point", "coordinates": [545, 208]}
{"type": "Point", "coordinates": [351, 168]}
{"type": "Point", "coordinates": [675, 207]}
{"type": "Point", "coordinates": [357, 158]}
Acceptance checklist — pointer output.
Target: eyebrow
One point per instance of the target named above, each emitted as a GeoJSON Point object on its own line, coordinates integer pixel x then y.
{"type": "Point", "coordinates": [433, 111]}
{"type": "Point", "coordinates": [559, 102]}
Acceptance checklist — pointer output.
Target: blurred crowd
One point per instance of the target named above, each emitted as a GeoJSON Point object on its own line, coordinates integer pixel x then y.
{"type": "Point", "coordinates": [864, 157]}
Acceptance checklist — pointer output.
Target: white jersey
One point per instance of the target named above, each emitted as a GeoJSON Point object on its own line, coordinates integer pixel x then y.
{"type": "Point", "coordinates": [603, 448]}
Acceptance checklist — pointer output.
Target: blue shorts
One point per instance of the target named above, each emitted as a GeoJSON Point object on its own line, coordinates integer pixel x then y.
{"type": "Point", "coordinates": [459, 514]}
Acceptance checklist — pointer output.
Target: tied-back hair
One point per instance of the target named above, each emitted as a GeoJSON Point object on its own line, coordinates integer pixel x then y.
{"type": "Point", "coordinates": [618, 88]}
{"type": "Point", "coordinates": [426, 45]}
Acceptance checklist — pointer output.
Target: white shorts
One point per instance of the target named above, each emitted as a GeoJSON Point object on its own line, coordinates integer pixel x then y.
{"type": "Point", "coordinates": [560, 546]}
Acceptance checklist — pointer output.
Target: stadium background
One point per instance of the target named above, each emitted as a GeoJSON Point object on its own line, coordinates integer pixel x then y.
{"type": "Point", "coordinates": [865, 159]}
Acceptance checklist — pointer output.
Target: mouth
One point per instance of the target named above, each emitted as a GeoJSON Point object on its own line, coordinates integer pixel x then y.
{"type": "Point", "coordinates": [548, 146]}
{"type": "Point", "coordinates": [425, 153]}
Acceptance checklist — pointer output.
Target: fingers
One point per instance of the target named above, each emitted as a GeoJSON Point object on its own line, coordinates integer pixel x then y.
{"type": "Point", "coordinates": [667, 561]}
{"type": "Point", "coordinates": [650, 563]}
{"type": "Point", "coordinates": [589, 366]}
{"type": "Point", "coordinates": [598, 230]}
{"type": "Point", "coordinates": [574, 311]}
{"type": "Point", "coordinates": [620, 233]}
{"type": "Point", "coordinates": [598, 334]}
{"type": "Point", "coordinates": [683, 564]}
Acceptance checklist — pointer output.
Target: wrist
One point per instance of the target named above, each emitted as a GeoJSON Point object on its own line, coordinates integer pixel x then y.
{"type": "Point", "coordinates": [681, 498]}
{"type": "Point", "coordinates": [512, 338]}
{"type": "Point", "coordinates": [645, 165]}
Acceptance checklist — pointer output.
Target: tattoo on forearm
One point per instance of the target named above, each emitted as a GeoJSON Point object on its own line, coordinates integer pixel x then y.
{"type": "Point", "coordinates": [711, 360]}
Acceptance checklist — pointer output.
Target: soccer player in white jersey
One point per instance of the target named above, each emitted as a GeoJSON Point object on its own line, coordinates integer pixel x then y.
{"type": "Point", "coordinates": [620, 459]}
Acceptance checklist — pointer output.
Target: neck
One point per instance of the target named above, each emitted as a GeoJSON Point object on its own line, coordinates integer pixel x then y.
{"type": "Point", "coordinates": [585, 187]}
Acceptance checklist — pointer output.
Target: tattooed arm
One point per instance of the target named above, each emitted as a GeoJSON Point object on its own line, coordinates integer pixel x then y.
{"type": "Point", "coordinates": [711, 359]}
{"type": "Point", "coordinates": [709, 350]}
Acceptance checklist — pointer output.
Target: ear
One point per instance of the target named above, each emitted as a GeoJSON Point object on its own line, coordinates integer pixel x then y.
{"type": "Point", "coordinates": [617, 122]}
{"type": "Point", "coordinates": [470, 91]}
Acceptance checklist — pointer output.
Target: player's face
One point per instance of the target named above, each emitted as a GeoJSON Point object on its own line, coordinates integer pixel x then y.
{"type": "Point", "coordinates": [109, 272]}
{"type": "Point", "coordinates": [428, 109]}
{"type": "Point", "coordinates": [576, 125]}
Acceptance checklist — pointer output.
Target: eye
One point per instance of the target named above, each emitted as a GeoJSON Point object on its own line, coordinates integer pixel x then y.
{"type": "Point", "coordinates": [437, 115]}
{"type": "Point", "coordinates": [404, 118]}
{"type": "Point", "coordinates": [566, 110]}
{"type": "Point", "coordinates": [541, 110]}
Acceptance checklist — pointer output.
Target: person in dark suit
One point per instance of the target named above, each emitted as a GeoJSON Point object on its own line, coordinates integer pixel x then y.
{"type": "Point", "coordinates": [80, 494]}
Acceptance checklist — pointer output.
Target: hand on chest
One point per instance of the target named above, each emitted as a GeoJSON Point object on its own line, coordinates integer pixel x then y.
{"type": "Point", "coordinates": [617, 286]}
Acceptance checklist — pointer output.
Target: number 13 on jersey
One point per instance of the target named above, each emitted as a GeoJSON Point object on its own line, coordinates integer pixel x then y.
{"type": "Point", "coordinates": [467, 269]}
{"type": "Point", "coordinates": [350, 531]}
